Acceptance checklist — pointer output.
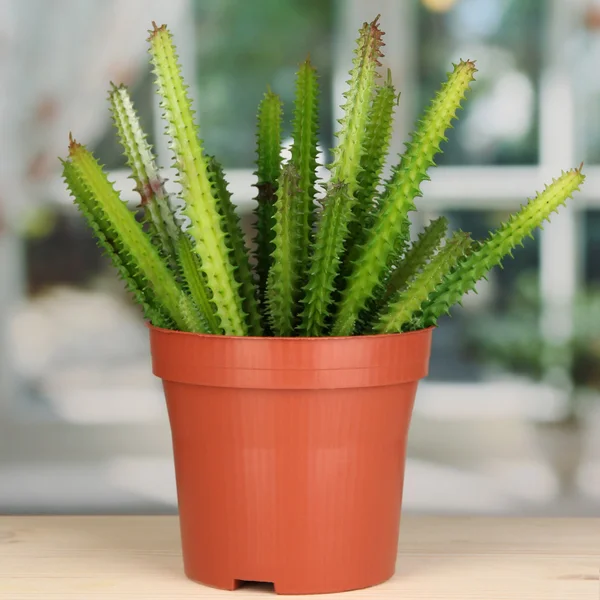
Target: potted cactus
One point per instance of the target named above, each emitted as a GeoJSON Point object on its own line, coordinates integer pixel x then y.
{"type": "Point", "coordinates": [290, 369]}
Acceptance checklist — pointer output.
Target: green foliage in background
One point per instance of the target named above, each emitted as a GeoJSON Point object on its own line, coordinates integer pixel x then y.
{"type": "Point", "coordinates": [240, 46]}
{"type": "Point", "coordinates": [514, 340]}
{"type": "Point", "coordinates": [330, 257]}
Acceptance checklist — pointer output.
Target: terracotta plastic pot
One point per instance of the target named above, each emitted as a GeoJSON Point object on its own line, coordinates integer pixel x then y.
{"type": "Point", "coordinates": [289, 454]}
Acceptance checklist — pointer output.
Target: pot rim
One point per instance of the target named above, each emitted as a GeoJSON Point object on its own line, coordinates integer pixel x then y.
{"type": "Point", "coordinates": [290, 363]}
{"type": "Point", "coordinates": [379, 336]}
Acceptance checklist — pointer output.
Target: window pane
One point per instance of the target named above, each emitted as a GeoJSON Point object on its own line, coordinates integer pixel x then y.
{"type": "Point", "coordinates": [591, 231]}
{"type": "Point", "coordinates": [245, 46]}
{"type": "Point", "coordinates": [499, 123]}
{"type": "Point", "coordinates": [587, 88]}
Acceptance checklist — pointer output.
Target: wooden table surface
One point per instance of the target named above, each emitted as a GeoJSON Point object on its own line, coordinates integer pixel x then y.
{"type": "Point", "coordinates": [108, 558]}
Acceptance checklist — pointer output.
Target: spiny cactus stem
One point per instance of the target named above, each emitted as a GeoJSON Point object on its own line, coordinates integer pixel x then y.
{"type": "Point", "coordinates": [398, 198]}
{"type": "Point", "coordinates": [201, 202]}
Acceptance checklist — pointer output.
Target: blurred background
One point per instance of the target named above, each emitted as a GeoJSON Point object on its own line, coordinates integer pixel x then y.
{"type": "Point", "coordinates": [508, 422]}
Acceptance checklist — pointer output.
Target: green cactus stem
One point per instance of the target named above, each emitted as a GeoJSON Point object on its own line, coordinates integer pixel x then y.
{"type": "Point", "coordinates": [377, 141]}
{"type": "Point", "coordinates": [195, 284]}
{"type": "Point", "coordinates": [332, 229]}
{"type": "Point", "coordinates": [239, 252]}
{"type": "Point", "coordinates": [268, 169]}
{"type": "Point", "coordinates": [144, 171]}
{"type": "Point", "coordinates": [305, 130]}
{"type": "Point", "coordinates": [190, 314]}
{"type": "Point", "coordinates": [106, 240]}
{"type": "Point", "coordinates": [207, 227]}
{"type": "Point", "coordinates": [417, 255]}
{"type": "Point", "coordinates": [406, 303]}
{"type": "Point", "coordinates": [376, 145]}
{"type": "Point", "coordinates": [499, 244]}
{"type": "Point", "coordinates": [401, 270]}
{"type": "Point", "coordinates": [284, 276]}
{"type": "Point", "coordinates": [398, 198]}
{"type": "Point", "coordinates": [108, 214]}
{"type": "Point", "coordinates": [160, 218]}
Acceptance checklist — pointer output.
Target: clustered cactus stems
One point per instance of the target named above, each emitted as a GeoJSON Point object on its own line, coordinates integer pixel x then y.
{"type": "Point", "coordinates": [338, 265]}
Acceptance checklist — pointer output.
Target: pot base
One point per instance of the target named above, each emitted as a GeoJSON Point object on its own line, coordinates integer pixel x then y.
{"type": "Point", "coordinates": [288, 588]}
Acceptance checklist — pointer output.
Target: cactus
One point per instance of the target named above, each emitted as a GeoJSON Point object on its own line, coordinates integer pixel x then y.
{"type": "Point", "coordinates": [417, 255]}
{"type": "Point", "coordinates": [408, 302]}
{"type": "Point", "coordinates": [239, 252]}
{"type": "Point", "coordinates": [268, 168]}
{"type": "Point", "coordinates": [399, 195]}
{"type": "Point", "coordinates": [144, 171]}
{"type": "Point", "coordinates": [159, 217]}
{"type": "Point", "coordinates": [108, 214]}
{"type": "Point", "coordinates": [401, 271]}
{"type": "Point", "coordinates": [201, 200]}
{"type": "Point", "coordinates": [284, 276]}
{"type": "Point", "coordinates": [347, 269]}
{"type": "Point", "coordinates": [337, 213]}
{"type": "Point", "coordinates": [194, 283]}
{"type": "Point", "coordinates": [121, 260]}
{"type": "Point", "coordinates": [304, 154]}
{"type": "Point", "coordinates": [378, 133]}
{"type": "Point", "coordinates": [499, 244]}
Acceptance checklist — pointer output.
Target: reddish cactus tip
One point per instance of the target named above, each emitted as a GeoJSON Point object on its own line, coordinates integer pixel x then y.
{"type": "Point", "coordinates": [469, 64]}
{"type": "Point", "coordinates": [74, 145]}
{"type": "Point", "coordinates": [580, 168]}
{"type": "Point", "coordinates": [156, 29]}
{"type": "Point", "coordinates": [373, 31]}
{"type": "Point", "coordinates": [376, 31]}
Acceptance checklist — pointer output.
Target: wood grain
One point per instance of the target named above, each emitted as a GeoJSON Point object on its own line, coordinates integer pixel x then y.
{"type": "Point", "coordinates": [110, 558]}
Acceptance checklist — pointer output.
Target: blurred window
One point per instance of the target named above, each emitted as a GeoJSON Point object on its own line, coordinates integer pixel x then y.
{"type": "Point", "coordinates": [243, 47]}
{"type": "Point", "coordinates": [534, 110]}
{"type": "Point", "coordinates": [500, 122]}
{"type": "Point", "coordinates": [520, 124]}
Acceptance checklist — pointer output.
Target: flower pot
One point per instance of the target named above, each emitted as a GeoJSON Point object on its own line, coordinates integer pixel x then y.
{"type": "Point", "coordinates": [289, 454]}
